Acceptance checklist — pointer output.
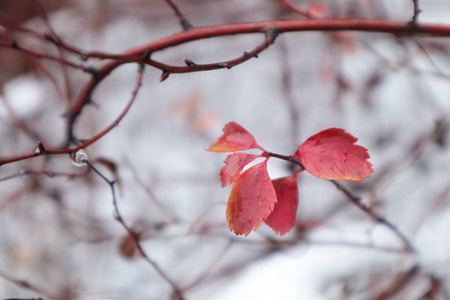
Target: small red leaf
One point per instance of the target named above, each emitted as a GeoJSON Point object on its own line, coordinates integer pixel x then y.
{"type": "Point", "coordinates": [282, 218]}
{"type": "Point", "coordinates": [332, 154]}
{"type": "Point", "coordinates": [251, 200]}
{"type": "Point", "coordinates": [234, 138]}
{"type": "Point", "coordinates": [234, 163]}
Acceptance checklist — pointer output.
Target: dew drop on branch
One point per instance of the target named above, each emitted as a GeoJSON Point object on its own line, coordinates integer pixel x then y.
{"type": "Point", "coordinates": [40, 149]}
{"type": "Point", "coordinates": [79, 159]}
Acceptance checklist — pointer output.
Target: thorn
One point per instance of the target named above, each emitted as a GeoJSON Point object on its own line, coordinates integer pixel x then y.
{"type": "Point", "coordinates": [164, 76]}
{"type": "Point", "coordinates": [189, 62]}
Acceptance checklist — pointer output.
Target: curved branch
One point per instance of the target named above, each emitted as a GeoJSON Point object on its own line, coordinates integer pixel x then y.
{"type": "Point", "coordinates": [355, 200]}
{"type": "Point", "coordinates": [185, 24]}
{"type": "Point", "coordinates": [41, 150]}
{"type": "Point", "coordinates": [135, 236]}
{"type": "Point", "coordinates": [140, 53]}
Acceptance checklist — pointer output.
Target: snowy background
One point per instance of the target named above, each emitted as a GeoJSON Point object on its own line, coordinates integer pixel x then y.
{"type": "Point", "coordinates": [58, 233]}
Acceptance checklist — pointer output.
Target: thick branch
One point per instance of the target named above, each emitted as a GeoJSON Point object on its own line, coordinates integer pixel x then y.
{"type": "Point", "coordinates": [137, 54]}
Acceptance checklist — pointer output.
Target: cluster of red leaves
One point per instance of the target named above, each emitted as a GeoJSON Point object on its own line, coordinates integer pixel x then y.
{"type": "Point", "coordinates": [255, 198]}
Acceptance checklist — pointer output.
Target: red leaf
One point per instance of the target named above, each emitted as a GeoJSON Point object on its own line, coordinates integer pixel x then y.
{"type": "Point", "coordinates": [234, 163]}
{"type": "Point", "coordinates": [234, 138]}
{"type": "Point", "coordinates": [332, 154]}
{"type": "Point", "coordinates": [251, 200]}
{"type": "Point", "coordinates": [282, 218]}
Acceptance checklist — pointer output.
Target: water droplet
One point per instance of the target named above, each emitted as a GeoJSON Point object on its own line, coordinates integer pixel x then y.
{"type": "Point", "coordinates": [79, 158]}
{"type": "Point", "coordinates": [323, 149]}
{"type": "Point", "coordinates": [40, 149]}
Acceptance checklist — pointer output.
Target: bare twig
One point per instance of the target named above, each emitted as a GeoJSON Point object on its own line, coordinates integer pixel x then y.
{"type": "Point", "coordinates": [47, 173]}
{"type": "Point", "coordinates": [377, 218]}
{"type": "Point", "coordinates": [355, 200]}
{"type": "Point", "coordinates": [296, 9]}
{"type": "Point", "coordinates": [27, 285]}
{"type": "Point", "coordinates": [416, 12]}
{"type": "Point", "coordinates": [134, 235]}
{"type": "Point", "coordinates": [86, 143]}
{"type": "Point", "coordinates": [271, 35]}
{"type": "Point", "coordinates": [61, 60]}
{"type": "Point", "coordinates": [171, 218]}
{"type": "Point", "coordinates": [185, 24]}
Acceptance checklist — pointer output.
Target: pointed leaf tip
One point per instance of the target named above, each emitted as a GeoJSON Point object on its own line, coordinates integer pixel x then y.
{"type": "Point", "coordinates": [251, 200]}
{"type": "Point", "coordinates": [332, 154]}
{"type": "Point", "coordinates": [234, 138]}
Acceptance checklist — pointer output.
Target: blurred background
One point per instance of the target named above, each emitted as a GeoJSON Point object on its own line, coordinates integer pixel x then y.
{"type": "Point", "coordinates": [58, 232]}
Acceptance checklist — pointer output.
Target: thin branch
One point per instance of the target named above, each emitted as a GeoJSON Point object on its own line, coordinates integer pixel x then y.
{"type": "Point", "coordinates": [416, 12]}
{"type": "Point", "coordinates": [26, 285]}
{"type": "Point", "coordinates": [355, 200]}
{"type": "Point", "coordinates": [36, 54]}
{"type": "Point", "coordinates": [25, 299]}
{"type": "Point", "coordinates": [170, 216]}
{"type": "Point", "coordinates": [134, 235]}
{"type": "Point", "coordinates": [377, 218]}
{"type": "Point", "coordinates": [141, 53]}
{"type": "Point", "coordinates": [185, 24]}
{"type": "Point", "coordinates": [145, 50]}
{"type": "Point", "coordinates": [41, 150]}
{"type": "Point", "coordinates": [297, 10]}
{"type": "Point", "coordinates": [271, 35]}
{"type": "Point", "coordinates": [47, 173]}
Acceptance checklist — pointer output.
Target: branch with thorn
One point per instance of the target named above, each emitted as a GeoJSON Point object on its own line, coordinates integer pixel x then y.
{"type": "Point", "coordinates": [354, 200]}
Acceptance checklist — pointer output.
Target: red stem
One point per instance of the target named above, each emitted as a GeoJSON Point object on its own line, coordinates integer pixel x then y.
{"type": "Point", "coordinates": [137, 54]}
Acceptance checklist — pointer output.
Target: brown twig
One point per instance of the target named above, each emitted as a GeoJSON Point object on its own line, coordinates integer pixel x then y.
{"type": "Point", "coordinates": [27, 285]}
{"type": "Point", "coordinates": [41, 150]}
{"type": "Point", "coordinates": [416, 12]}
{"type": "Point", "coordinates": [355, 200]}
{"type": "Point", "coordinates": [170, 216]}
{"type": "Point", "coordinates": [142, 53]}
{"type": "Point", "coordinates": [137, 54]}
{"type": "Point", "coordinates": [47, 173]}
{"type": "Point", "coordinates": [36, 54]}
{"type": "Point", "coordinates": [190, 67]}
{"type": "Point", "coordinates": [185, 24]}
{"type": "Point", "coordinates": [134, 235]}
